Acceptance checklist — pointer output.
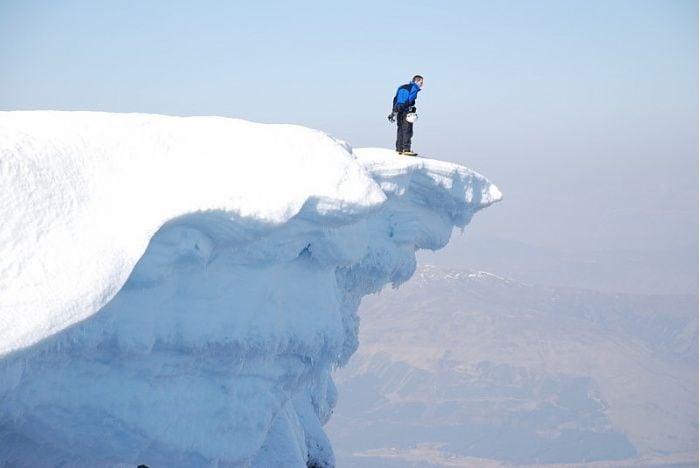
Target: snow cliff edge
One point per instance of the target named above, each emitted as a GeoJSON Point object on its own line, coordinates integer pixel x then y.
{"type": "Point", "coordinates": [177, 290]}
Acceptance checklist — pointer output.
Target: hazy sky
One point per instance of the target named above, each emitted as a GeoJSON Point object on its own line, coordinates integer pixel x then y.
{"type": "Point", "coordinates": [584, 112]}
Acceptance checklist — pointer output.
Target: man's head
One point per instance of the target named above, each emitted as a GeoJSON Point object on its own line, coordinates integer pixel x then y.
{"type": "Point", "coordinates": [418, 80]}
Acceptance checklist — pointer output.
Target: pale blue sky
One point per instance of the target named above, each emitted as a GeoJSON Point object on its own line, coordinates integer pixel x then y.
{"type": "Point", "coordinates": [584, 112]}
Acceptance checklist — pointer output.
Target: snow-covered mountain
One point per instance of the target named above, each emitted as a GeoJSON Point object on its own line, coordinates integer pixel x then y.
{"type": "Point", "coordinates": [175, 291]}
{"type": "Point", "coordinates": [466, 368]}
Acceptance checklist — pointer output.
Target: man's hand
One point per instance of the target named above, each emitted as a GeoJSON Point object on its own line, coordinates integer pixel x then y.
{"type": "Point", "coordinates": [392, 117]}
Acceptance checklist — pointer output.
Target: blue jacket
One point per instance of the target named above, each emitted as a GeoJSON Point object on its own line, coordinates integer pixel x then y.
{"type": "Point", "coordinates": [406, 96]}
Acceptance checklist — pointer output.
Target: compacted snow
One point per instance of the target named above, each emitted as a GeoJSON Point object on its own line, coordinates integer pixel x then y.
{"type": "Point", "coordinates": [175, 291]}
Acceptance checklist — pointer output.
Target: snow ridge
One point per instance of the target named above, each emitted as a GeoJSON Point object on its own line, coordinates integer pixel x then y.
{"type": "Point", "coordinates": [176, 291]}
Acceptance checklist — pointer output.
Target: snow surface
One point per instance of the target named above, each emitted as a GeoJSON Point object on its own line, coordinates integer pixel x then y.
{"type": "Point", "coordinates": [177, 290]}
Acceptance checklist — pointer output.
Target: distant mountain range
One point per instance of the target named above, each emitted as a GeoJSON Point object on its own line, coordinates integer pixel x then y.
{"type": "Point", "coordinates": [460, 368]}
{"type": "Point", "coordinates": [671, 271]}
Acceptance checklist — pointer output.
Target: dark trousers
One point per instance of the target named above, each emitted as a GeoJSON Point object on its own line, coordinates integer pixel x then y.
{"type": "Point", "coordinates": [404, 132]}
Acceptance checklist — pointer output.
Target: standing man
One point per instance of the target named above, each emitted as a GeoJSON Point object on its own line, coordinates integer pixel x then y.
{"type": "Point", "coordinates": [404, 112]}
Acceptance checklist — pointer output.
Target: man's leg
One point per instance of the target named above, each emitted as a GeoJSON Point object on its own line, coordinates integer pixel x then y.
{"type": "Point", "coordinates": [399, 138]}
{"type": "Point", "coordinates": [409, 135]}
{"type": "Point", "coordinates": [401, 143]}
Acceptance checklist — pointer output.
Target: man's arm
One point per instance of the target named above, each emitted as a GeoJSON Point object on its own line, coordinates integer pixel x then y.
{"type": "Point", "coordinates": [412, 95]}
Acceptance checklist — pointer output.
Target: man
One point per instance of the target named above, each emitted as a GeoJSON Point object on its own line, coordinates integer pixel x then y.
{"type": "Point", "coordinates": [404, 106]}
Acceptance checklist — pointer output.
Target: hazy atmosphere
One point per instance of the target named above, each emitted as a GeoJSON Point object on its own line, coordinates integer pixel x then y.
{"type": "Point", "coordinates": [559, 327]}
{"type": "Point", "coordinates": [583, 112]}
